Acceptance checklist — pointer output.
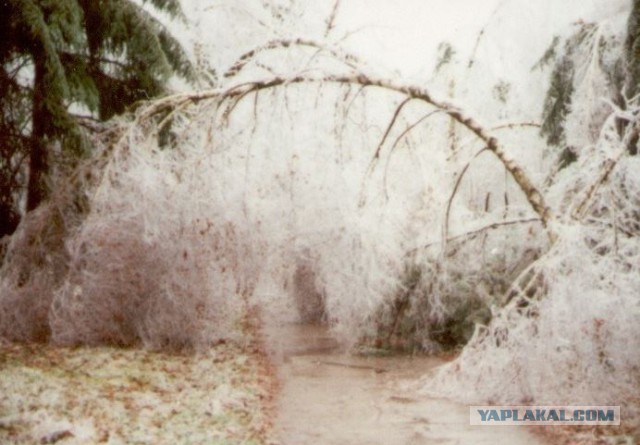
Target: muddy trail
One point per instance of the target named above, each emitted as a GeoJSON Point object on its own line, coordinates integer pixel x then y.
{"type": "Point", "coordinates": [330, 397]}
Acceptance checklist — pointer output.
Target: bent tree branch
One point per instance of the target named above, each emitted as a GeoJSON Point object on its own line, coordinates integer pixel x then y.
{"type": "Point", "coordinates": [533, 195]}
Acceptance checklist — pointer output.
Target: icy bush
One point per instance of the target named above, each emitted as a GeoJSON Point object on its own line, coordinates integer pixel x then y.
{"type": "Point", "coordinates": [148, 263]}
{"type": "Point", "coordinates": [442, 296]}
{"type": "Point", "coordinates": [577, 344]}
{"type": "Point", "coordinates": [35, 264]}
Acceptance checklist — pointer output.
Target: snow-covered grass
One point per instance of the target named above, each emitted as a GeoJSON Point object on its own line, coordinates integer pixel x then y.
{"type": "Point", "coordinates": [132, 396]}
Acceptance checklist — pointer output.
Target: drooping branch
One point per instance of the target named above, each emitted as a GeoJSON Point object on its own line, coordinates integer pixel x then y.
{"type": "Point", "coordinates": [397, 141]}
{"type": "Point", "coordinates": [463, 237]}
{"type": "Point", "coordinates": [392, 122]}
{"type": "Point", "coordinates": [348, 59]}
{"type": "Point", "coordinates": [534, 197]}
{"type": "Point", "coordinates": [411, 127]}
{"type": "Point", "coordinates": [331, 21]}
{"type": "Point", "coordinates": [445, 234]}
{"type": "Point", "coordinates": [609, 165]}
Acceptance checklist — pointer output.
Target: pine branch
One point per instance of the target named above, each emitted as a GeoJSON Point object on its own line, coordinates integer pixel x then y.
{"type": "Point", "coordinates": [171, 7]}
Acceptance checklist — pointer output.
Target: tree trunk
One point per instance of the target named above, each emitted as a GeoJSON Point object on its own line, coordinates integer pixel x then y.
{"type": "Point", "coordinates": [38, 162]}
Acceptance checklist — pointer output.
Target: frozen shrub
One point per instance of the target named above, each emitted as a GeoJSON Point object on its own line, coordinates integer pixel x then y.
{"type": "Point", "coordinates": [143, 263]}
{"type": "Point", "coordinates": [34, 265]}
{"type": "Point", "coordinates": [150, 265]}
{"type": "Point", "coordinates": [439, 301]}
{"type": "Point", "coordinates": [427, 314]}
{"type": "Point", "coordinates": [124, 290]}
{"type": "Point", "coordinates": [457, 327]}
{"type": "Point", "coordinates": [531, 349]}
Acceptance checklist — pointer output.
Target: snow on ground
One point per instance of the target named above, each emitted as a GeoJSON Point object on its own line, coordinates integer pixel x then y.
{"type": "Point", "coordinates": [128, 396]}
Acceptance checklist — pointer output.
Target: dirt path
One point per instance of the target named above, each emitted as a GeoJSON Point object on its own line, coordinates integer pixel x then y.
{"type": "Point", "coordinates": [331, 398]}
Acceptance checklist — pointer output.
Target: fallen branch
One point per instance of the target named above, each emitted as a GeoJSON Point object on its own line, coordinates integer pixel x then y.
{"type": "Point", "coordinates": [353, 366]}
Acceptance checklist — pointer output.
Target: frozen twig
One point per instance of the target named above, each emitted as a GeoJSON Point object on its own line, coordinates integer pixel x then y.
{"type": "Point", "coordinates": [332, 18]}
{"type": "Point", "coordinates": [580, 210]}
{"type": "Point", "coordinates": [389, 128]}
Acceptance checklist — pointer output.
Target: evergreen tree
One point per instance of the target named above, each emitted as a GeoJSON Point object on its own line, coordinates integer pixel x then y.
{"type": "Point", "coordinates": [576, 93]}
{"type": "Point", "coordinates": [633, 50]}
{"type": "Point", "coordinates": [130, 53]}
{"type": "Point", "coordinates": [102, 55]}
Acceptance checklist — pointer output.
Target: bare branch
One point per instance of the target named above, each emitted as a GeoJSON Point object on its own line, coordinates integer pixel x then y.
{"type": "Point", "coordinates": [348, 59]}
{"type": "Point", "coordinates": [480, 231]}
{"type": "Point", "coordinates": [581, 209]}
{"type": "Point", "coordinates": [481, 35]}
{"type": "Point", "coordinates": [397, 141]}
{"type": "Point", "coordinates": [332, 18]}
{"type": "Point", "coordinates": [412, 126]}
{"type": "Point", "coordinates": [389, 127]}
{"type": "Point", "coordinates": [445, 230]}
{"type": "Point", "coordinates": [516, 125]}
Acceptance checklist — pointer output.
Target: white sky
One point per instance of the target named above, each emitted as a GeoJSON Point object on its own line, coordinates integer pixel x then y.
{"type": "Point", "coordinates": [402, 35]}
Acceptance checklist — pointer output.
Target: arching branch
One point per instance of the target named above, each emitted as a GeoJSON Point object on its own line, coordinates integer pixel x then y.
{"type": "Point", "coordinates": [348, 59]}
{"type": "Point", "coordinates": [392, 122]}
{"type": "Point", "coordinates": [445, 234]}
{"type": "Point", "coordinates": [534, 197]}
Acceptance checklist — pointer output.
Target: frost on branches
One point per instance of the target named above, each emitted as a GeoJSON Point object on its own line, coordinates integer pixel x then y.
{"type": "Point", "coordinates": [419, 223]}
{"type": "Point", "coordinates": [569, 330]}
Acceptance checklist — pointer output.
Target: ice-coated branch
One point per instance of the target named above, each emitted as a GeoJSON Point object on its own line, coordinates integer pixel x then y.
{"type": "Point", "coordinates": [454, 192]}
{"type": "Point", "coordinates": [608, 166]}
{"type": "Point", "coordinates": [348, 59]}
{"type": "Point", "coordinates": [390, 127]}
{"type": "Point", "coordinates": [462, 237]}
{"type": "Point", "coordinates": [533, 195]}
{"type": "Point", "coordinates": [331, 21]}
